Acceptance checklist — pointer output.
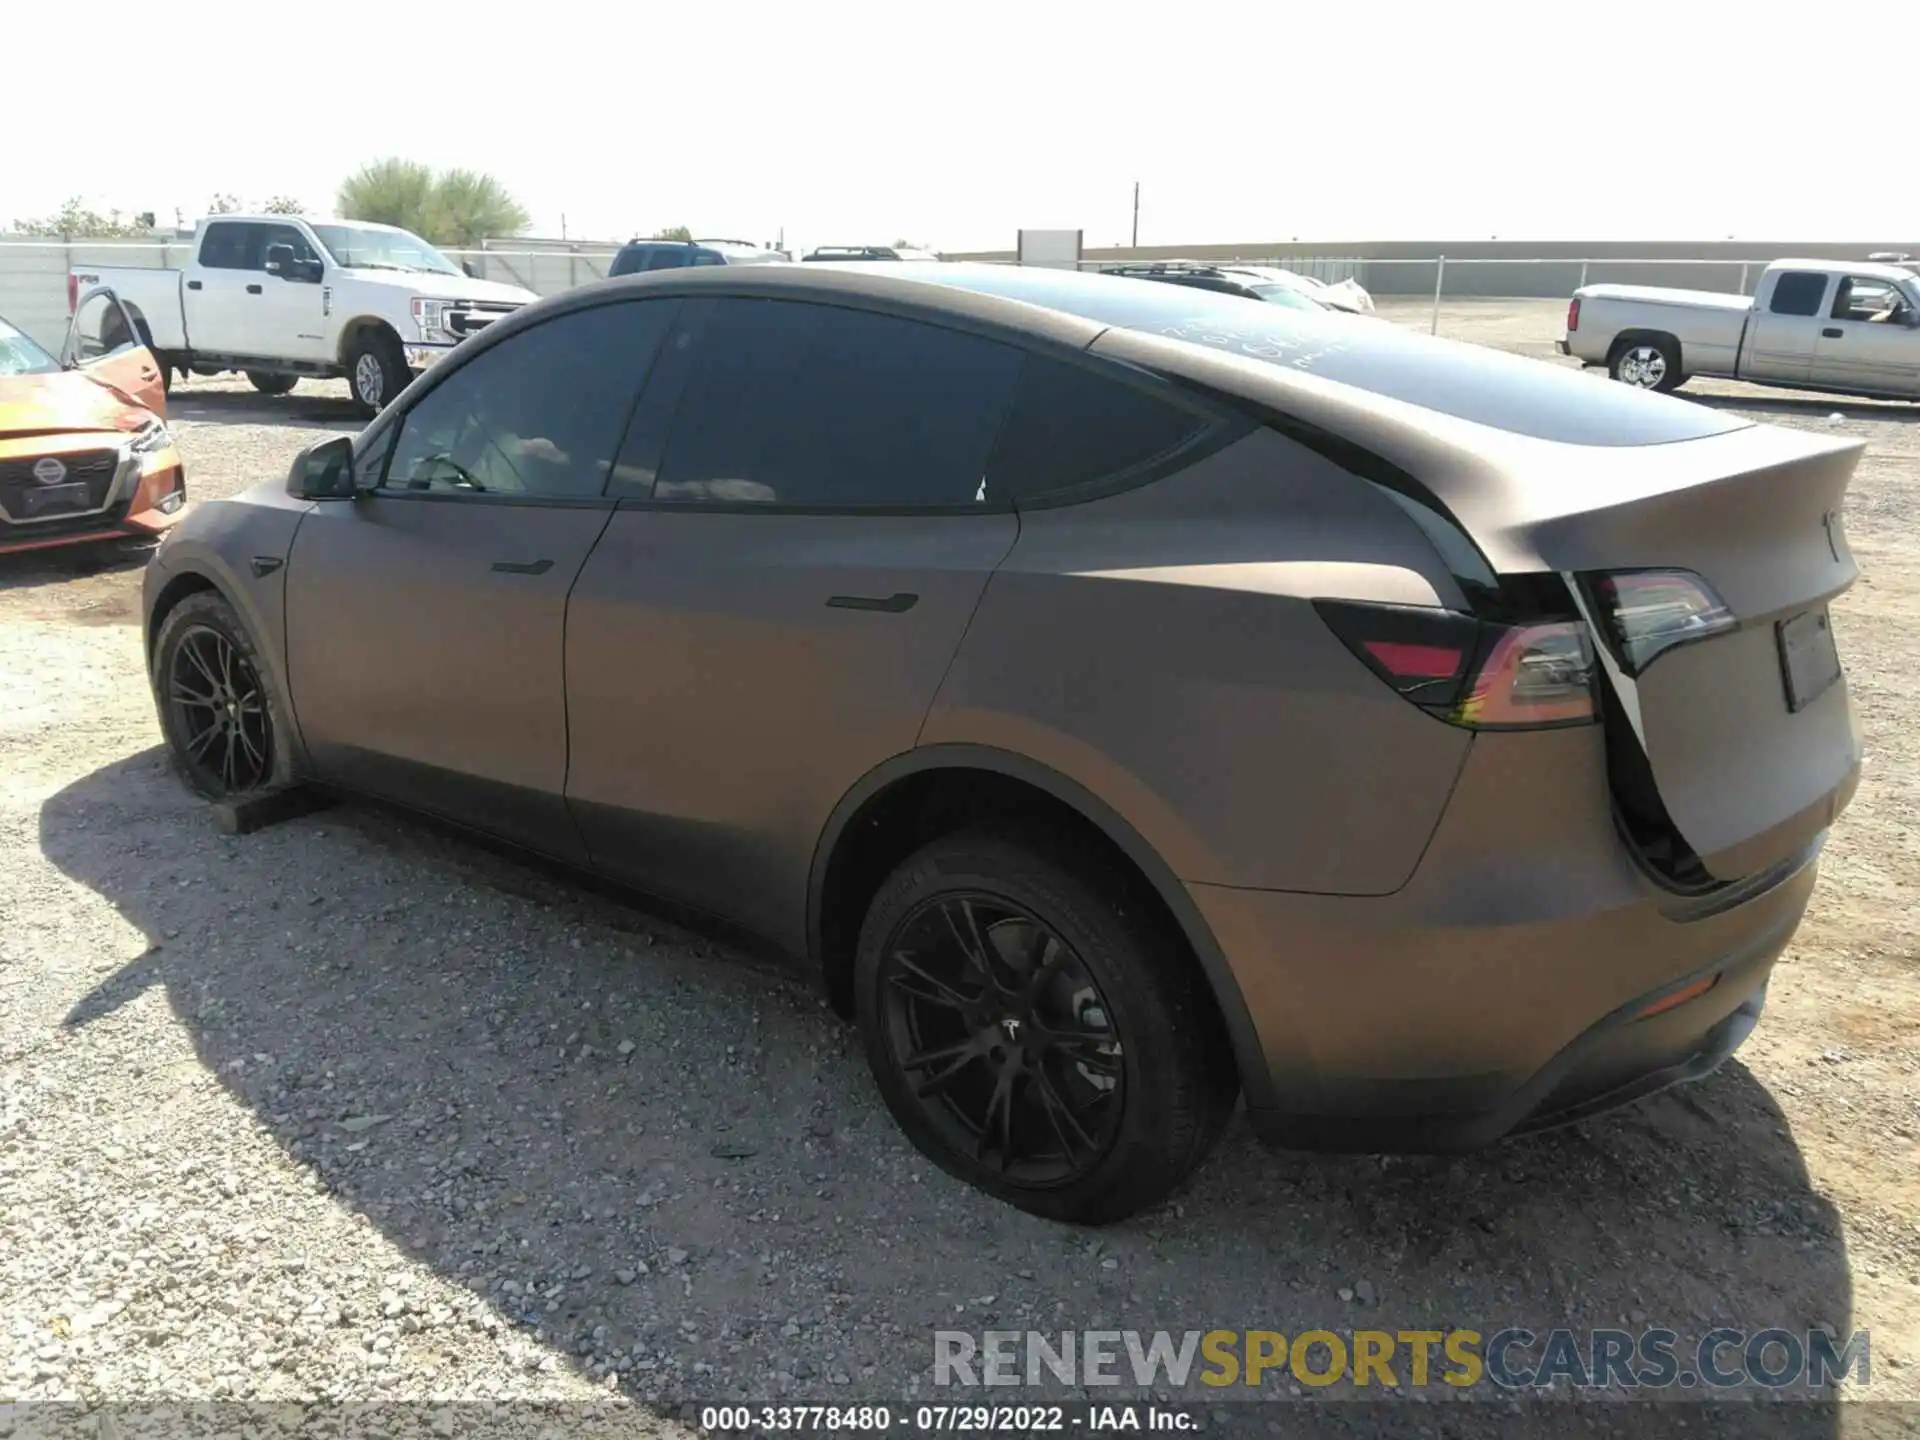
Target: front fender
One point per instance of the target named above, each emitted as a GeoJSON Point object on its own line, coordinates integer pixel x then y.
{"type": "Point", "coordinates": [218, 544]}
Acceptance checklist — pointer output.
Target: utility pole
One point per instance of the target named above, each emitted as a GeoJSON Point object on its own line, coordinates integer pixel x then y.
{"type": "Point", "coordinates": [1136, 214]}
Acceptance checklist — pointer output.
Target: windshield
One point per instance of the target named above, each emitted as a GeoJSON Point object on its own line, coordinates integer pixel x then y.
{"type": "Point", "coordinates": [362, 247]}
{"type": "Point", "coordinates": [20, 356]}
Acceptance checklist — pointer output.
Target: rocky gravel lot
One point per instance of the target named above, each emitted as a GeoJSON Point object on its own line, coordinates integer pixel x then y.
{"type": "Point", "coordinates": [354, 1110]}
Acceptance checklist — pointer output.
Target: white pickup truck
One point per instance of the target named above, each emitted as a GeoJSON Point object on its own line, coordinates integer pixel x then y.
{"type": "Point", "coordinates": [1853, 329]}
{"type": "Point", "coordinates": [279, 298]}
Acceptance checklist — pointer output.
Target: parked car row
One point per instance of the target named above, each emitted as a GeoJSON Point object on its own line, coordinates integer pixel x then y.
{"type": "Point", "coordinates": [1121, 697]}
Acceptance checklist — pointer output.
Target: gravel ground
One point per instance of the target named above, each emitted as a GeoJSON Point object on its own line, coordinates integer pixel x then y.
{"type": "Point", "coordinates": [354, 1110]}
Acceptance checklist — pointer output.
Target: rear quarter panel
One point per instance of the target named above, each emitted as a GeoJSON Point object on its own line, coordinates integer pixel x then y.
{"type": "Point", "coordinates": [1159, 648]}
{"type": "Point", "coordinates": [1707, 326]}
{"type": "Point", "coordinates": [152, 295]}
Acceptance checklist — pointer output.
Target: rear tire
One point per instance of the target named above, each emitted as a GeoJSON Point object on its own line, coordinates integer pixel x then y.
{"type": "Point", "coordinates": [376, 371]}
{"type": "Point", "coordinates": [268, 384]}
{"type": "Point", "coordinates": [1115, 1069]}
{"type": "Point", "coordinates": [1647, 364]}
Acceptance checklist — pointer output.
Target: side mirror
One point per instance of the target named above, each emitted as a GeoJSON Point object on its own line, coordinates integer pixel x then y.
{"type": "Point", "coordinates": [323, 471]}
{"type": "Point", "coordinates": [280, 261]}
{"type": "Point", "coordinates": [470, 270]}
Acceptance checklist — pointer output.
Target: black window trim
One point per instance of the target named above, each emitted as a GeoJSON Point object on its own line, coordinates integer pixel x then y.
{"type": "Point", "coordinates": [1225, 422]}
{"type": "Point", "coordinates": [1221, 424]}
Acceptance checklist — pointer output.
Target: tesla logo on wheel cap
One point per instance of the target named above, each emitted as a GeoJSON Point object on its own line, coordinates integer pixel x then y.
{"type": "Point", "coordinates": [49, 471]}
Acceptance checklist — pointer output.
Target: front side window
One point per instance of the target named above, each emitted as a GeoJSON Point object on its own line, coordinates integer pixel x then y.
{"type": "Point", "coordinates": [538, 415]}
{"type": "Point", "coordinates": [1798, 292]}
{"type": "Point", "coordinates": [1072, 426]}
{"type": "Point", "coordinates": [1860, 297]}
{"type": "Point", "coordinates": [271, 235]}
{"type": "Point", "coordinates": [787, 403]}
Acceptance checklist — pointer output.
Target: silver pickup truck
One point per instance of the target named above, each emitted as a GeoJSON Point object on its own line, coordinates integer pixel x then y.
{"type": "Point", "coordinates": [1853, 329]}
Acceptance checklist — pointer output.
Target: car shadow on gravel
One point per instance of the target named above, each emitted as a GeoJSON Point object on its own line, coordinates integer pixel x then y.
{"type": "Point", "coordinates": [60, 564]}
{"type": "Point", "coordinates": [1811, 407]}
{"type": "Point", "coordinates": [241, 407]}
{"type": "Point", "coordinates": [655, 1159]}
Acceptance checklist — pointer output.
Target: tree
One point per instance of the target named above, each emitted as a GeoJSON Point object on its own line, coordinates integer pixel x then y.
{"type": "Point", "coordinates": [456, 207]}
{"type": "Point", "coordinates": [674, 232]}
{"type": "Point", "coordinates": [224, 204]}
{"type": "Point", "coordinates": [468, 207]}
{"type": "Point", "coordinates": [282, 205]}
{"type": "Point", "coordinates": [76, 221]}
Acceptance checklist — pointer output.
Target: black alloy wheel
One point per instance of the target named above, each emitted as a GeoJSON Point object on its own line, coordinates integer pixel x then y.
{"type": "Point", "coordinates": [222, 724]}
{"type": "Point", "coordinates": [1006, 1040]}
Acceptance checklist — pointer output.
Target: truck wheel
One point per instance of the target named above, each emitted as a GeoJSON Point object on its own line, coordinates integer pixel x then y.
{"type": "Point", "coordinates": [376, 371]}
{"type": "Point", "coordinates": [271, 384]}
{"type": "Point", "coordinates": [1652, 364]}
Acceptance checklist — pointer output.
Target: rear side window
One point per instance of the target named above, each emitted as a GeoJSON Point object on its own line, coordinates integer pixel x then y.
{"type": "Point", "coordinates": [1072, 426]}
{"type": "Point", "coordinates": [1796, 292]}
{"type": "Point", "coordinates": [537, 415]}
{"type": "Point", "coordinates": [224, 246]}
{"type": "Point", "coordinates": [630, 259]}
{"type": "Point", "coordinates": [667, 257]}
{"type": "Point", "coordinates": [787, 403]}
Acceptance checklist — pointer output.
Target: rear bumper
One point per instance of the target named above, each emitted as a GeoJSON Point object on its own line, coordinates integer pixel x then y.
{"type": "Point", "coordinates": [1563, 347]}
{"type": "Point", "coordinates": [1502, 989]}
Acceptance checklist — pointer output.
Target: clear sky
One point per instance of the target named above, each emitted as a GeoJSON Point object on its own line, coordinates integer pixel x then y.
{"type": "Point", "coordinates": [955, 124]}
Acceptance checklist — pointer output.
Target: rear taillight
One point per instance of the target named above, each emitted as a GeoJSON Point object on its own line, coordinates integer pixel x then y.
{"type": "Point", "coordinates": [1573, 315]}
{"type": "Point", "coordinates": [1533, 676]}
{"type": "Point", "coordinates": [73, 292]}
{"type": "Point", "coordinates": [1469, 672]}
{"type": "Point", "coordinates": [1645, 613]}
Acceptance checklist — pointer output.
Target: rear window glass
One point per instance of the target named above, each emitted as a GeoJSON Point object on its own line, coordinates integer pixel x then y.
{"type": "Point", "coordinates": [1798, 293]}
{"type": "Point", "coordinates": [1485, 387]}
{"type": "Point", "coordinates": [1069, 426]}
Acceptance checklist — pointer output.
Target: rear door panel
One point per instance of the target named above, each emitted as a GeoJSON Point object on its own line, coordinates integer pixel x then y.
{"type": "Point", "coordinates": [731, 676]}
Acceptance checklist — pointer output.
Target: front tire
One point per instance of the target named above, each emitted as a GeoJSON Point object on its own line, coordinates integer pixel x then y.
{"type": "Point", "coordinates": [225, 722]}
{"type": "Point", "coordinates": [376, 371]}
{"type": "Point", "coordinates": [1649, 364]}
{"type": "Point", "coordinates": [1035, 1031]}
{"type": "Point", "coordinates": [268, 384]}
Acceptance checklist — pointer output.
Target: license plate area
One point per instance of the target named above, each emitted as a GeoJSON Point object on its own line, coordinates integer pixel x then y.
{"type": "Point", "coordinates": [1809, 663]}
{"type": "Point", "coordinates": [43, 498]}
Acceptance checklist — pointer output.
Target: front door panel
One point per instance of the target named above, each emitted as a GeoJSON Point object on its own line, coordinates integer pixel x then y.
{"type": "Point", "coordinates": [424, 650]}
{"type": "Point", "coordinates": [731, 676]}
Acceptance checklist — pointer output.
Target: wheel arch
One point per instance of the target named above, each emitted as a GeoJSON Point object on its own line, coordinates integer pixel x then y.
{"type": "Point", "coordinates": [176, 589]}
{"type": "Point", "coordinates": [1646, 335]}
{"type": "Point", "coordinates": [882, 818]}
{"type": "Point", "coordinates": [360, 325]}
{"type": "Point", "coordinates": [202, 574]}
